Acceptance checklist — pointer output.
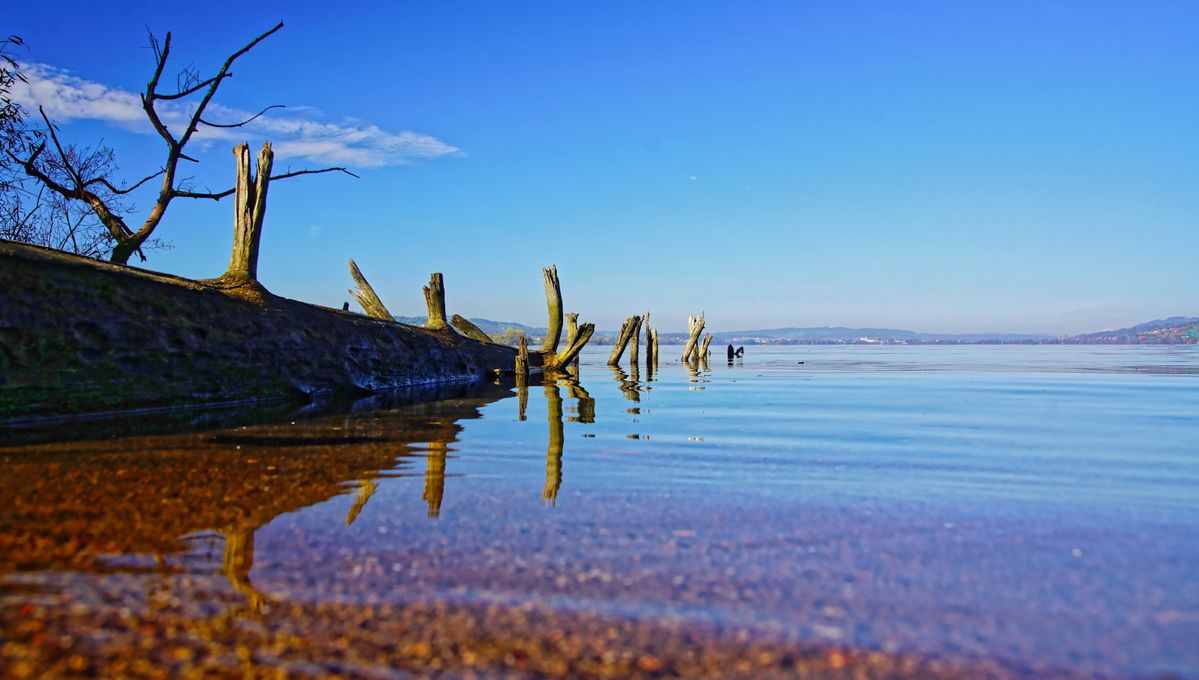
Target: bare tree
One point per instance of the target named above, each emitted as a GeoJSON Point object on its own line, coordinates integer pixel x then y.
{"type": "Point", "coordinates": [86, 177]}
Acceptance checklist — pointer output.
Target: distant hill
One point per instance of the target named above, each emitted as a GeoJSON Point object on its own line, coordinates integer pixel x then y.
{"type": "Point", "coordinates": [1175, 330]}
{"type": "Point", "coordinates": [842, 335]}
{"type": "Point", "coordinates": [488, 326]}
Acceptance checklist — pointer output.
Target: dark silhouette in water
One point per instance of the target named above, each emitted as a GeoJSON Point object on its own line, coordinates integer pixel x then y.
{"type": "Point", "coordinates": [731, 353]}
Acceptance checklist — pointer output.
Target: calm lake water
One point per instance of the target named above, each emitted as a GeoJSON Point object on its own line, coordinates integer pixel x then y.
{"type": "Point", "coordinates": [1008, 510]}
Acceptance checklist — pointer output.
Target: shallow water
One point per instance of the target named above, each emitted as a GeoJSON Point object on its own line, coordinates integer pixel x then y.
{"type": "Point", "coordinates": [1021, 510]}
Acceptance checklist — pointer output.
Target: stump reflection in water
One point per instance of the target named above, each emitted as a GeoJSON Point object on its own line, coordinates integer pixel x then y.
{"type": "Point", "coordinates": [145, 501]}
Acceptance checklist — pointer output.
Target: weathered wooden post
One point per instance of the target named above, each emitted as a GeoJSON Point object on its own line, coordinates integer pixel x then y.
{"type": "Point", "coordinates": [695, 324]}
{"type": "Point", "coordinates": [622, 340]}
{"type": "Point", "coordinates": [649, 344]}
{"type": "Point", "coordinates": [572, 328]}
{"type": "Point", "coordinates": [435, 301]}
{"type": "Point", "coordinates": [635, 341]}
{"type": "Point", "coordinates": [365, 296]}
{"type": "Point", "coordinates": [522, 360]}
{"type": "Point", "coordinates": [571, 353]}
{"type": "Point", "coordinates": [468, 329]}
{"type": "Point", "coordinates": [703, 349]}
{"type": "Point", "coordinates": [553, 302]}
{"type": "Point", "coordinates": [577, 336]}
{"type": "Point", "coordinates": [249, 209]}
{"type": "Point", "coordinates": [654, 349]}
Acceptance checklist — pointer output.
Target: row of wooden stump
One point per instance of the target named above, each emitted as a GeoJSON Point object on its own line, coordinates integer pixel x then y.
{"type": "Point", "coordinates": [547, 357]}
{"type": "Point", "coordinates": [250, 208]}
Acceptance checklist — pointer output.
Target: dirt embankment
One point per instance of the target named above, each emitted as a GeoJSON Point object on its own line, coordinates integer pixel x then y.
{"type": "Point", "coordinates": [80, 336]}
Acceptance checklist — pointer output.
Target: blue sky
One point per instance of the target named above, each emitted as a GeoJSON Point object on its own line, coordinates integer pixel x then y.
{"type": "Point", "coordinates": [937, 166]}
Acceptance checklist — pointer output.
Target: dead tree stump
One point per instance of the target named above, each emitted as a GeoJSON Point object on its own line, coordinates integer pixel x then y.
{"type": "Point", "coordinates": [522, 360]}
{"type": "Point", "coordinates": [468, 329]}
{"type": "Point", "coordinates": [703, 349]}
{"type": "Point", "coordinates": [249, 209]}
{"type": "Point", "coordinates": [553, 302]}
{"type": "Point", "coordinates": [435, 301]}
{"type": "Point", "coordinates": [577, 336]}
{"type": "Point", "coordinates": [365, 295]}
{"type": "Point", "coordinates": [572, 327]}
{"type": "Point", "coordinates": [695, 324]}
{"type": "Point", "coordinates": [622, 340]}
{"type": "Point", "coordinates": [571, 353]}
{"type": "Point", "coordinates": [635, 341]}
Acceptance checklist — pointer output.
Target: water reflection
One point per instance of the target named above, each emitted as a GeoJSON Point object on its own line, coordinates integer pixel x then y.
{"type": "Point", "coordinates": [630, 385]}
{"type": "Point", "coordinates": [140, 503]}
{"type": "Point", "coordinates": [553, 455]}
{"type": "Point", "coordinates": [584, 406]}
{"type": "Point", "coordinates": [698, 372]}
{"type": "Point", "coordinates": [435, 476]}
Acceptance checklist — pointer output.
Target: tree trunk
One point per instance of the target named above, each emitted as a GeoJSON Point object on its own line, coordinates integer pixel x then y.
{"type": "Point", "coordinates": [572, 327]}
{"type": "Point", "coordinates": [572, 350]}
{"type": "Point", "coordinates": [435, 301]}
{"type": "Point", "coordinates": [365, 295]}
{"type": "Point", "coordinates": [249, 206]}
{"type": "Point", "coordinates": [695, 324]}
{"type": "Point", "coordinates": [622, 340]}
{"type": "Point", "coordinates": [576, 338]}
{"type": "Point", "coordinates": [649, 344]}
{"type": "Point", "coordinates": [553, 303]}
{"type": "Point", "coordinates": [635, 342]}
{"type": "Point", "coordinates": [522, 360]}
{"type": "Point", "coordinates": [249, 210]}
{"type": "Point", "coordinates": [468, 329]}
{"type": "Point", "coordinates": [654, 350]}
{"type": "Point", "coordinates": [703, 349]}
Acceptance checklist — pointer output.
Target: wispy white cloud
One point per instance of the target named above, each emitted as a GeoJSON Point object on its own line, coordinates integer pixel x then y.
{"type": "Point", "coordinates": [294, 132]}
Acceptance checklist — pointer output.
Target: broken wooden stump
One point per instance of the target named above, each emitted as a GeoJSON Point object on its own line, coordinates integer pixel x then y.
{"type": "Point", "coordinates": [635, 341]}
{"type": "Point", "coordinates": [622, 340]}
{"type": "Point", "coordinates": [695, 324]}
{"type": "Point", "coordinates": [653, 340]}
{"type": "Point", "coordinates": [468, 329]}
{"type": "Point", "coordinates": [522, 360]}
{"type": "Point", "coordinates": [703, 348]}
{"type": "Point", "coordinates": [366, 296]}
{"type": "Point", "coordinates": [577, 336]}
{"type": "Point", "coordinates": [572, 327]}
{"type": "Point", "coordinates": [249, 209]}
{"type": "Point", "coordinates": [553, 302]}
{"type": "Point", "coordinates": [435, 301]}
{"type": "Point", "coordinates": [571, 353]}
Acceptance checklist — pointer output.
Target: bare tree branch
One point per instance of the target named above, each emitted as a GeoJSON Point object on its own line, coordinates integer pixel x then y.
{"type": "Point", "coordinates": [251, 118]}
{"type": "Point", "coordinates": [121, 192]}
{"type": "Point", "coordinates": [193, 89]}
{"type": "Point", "coordinates": [297, 173]}
{"type": "Point", "coordinates": [218, 195]}
{"type": "Point", "coordinates": [66, 162]}
{"type": "Point", "coordinates": [216, 82]}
